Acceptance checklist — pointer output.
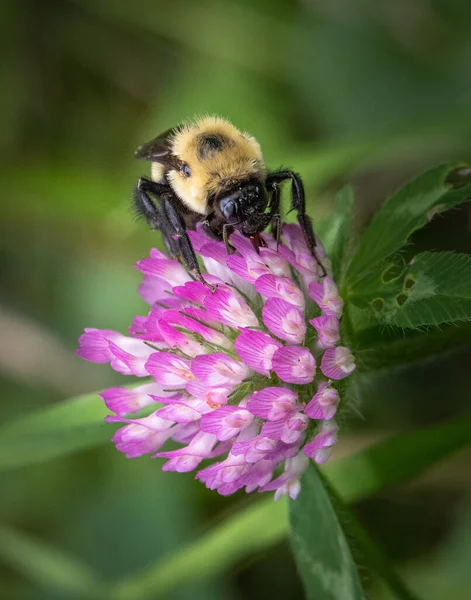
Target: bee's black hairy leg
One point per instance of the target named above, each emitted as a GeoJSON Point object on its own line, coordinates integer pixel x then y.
{"type": "Point", "coordinates": [166, 219]}
{"type": "Point", "coordinates": [212, 233]}
{"type": "Point", "coordinates": [298, 203]}
{"type": "Point", "coordinates": [145, 207]}
{"type": "Point", "coordinates": [227, 229]}
{"type": "Point", "coordinates": [276, 229]}
{"type": "Point", "coordinates": [274, 211]}
{"type": "Point", "coordinates": [183, 241]}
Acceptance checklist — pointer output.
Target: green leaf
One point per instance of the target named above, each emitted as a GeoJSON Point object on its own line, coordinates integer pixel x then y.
{"type": "Point", "coordinates": [249, 531]}
{"type": "Point", "coordinates": [56, 430]}
{"type": "Point", "coordinates": [50, 568]}
{"type": "Point", "coordinates": [335, 229]}
{"type": "Point", "coordinates": [320, 548]}
{"type": "Point", "coordinates": [266, 523]}
{"type": "Point", "coordinates": [434, 289]}
{"type": "Point", "coordinates": [386, 349]}
{"type": "Point", "coordinates": [407, 210]}
{"type": "Point", "coordinates": [63, 428]}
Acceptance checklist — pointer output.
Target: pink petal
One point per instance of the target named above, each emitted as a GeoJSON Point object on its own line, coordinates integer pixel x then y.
{"type": "Point", "coordinates": [159, 265]}
{"type": "Point", "coordinates": [193, 291]}
{"type": "Point", "coordinates": [181, 408]}
{"type": "Point", "coordinates": [246, 268]}
{"type": "Point", "coordinates": [326, 296]}
{"type": "Point", "coordinates": [123, 400]}
{"type": "Point", "coordinates": [258, 474]}
{"type": "Point", "coordinates": [271, 286]}
{"type": "Point", "coordinates": [256, 349]}
{"type": "Point", "coordinates": [224, 473]}
{"type": "Point", "coordinates": [212, 396]}
{"type": "Point", "coordinates": [254, 449]}
{"type": "Point", "coordinates": [294, 237]}
{"type": "Point", "coordinates": [322, 455]}
{"type": "Point", "coordinates": [169, 370]}
{"type": "Point", "coordinates": [176, 339]}
{"type": "Point", "coordinates": [185, 321]}
{"type": "Point", "coordinates": [198, 237]}
{"type": "Point", "coordinates": [226, 422]}
{"type": "Point", "coordinates": [228, 306]}
{"type": "Point", "coordinates": [277, 265]}
{"type": "Point", "coordinates": [214, 258]}
{"type": "Point", "coordinates": [138, 329]}
{"type": "Point", "coordinates": [324, 403]}
{"type": "Point", "coordinates": [94, 344]}
{"type": "Point", "coordinates": [284, 320]}
{"type": "Point", "coordinates": [154, 289]}
{"type": "Point", "coordinates": [141, 436]}
{"type": "Point", "coordinates": [337, 363]}
{"type": "Point", "coordinates": [244, 246]}
{"type": "Point", "coordinates": [294, 364]}
{"type": "Point", "coordinates": [305, 265]}
{"type": "Point", "coordinates": [272, 403]}
{"type": "Point", "coordinates": [183, 433]}
{"type": "Point", "coordinates": [326, 437]}
{"type": "Point", "coordinates": [130, 363]}
{"type": "Point", "coordinates": [188, 458]}
{"type": "Point", "coordinates": [218, 370]}
{"type": "Point", "coordinates": [328, 329]}
{"type": "Point", "coordinates": [289, 481]}
{"type": "Point", "coordinates": [200, 314]}
{"type": "Point", "coordinates": [289, 430]}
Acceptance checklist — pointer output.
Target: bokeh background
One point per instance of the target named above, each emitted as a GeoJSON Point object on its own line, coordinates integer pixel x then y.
{"type": "Point", "coordinates": [368, 91]}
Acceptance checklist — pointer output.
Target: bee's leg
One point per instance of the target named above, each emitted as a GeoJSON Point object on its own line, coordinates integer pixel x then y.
{"type": "Point", "coordinates": [145, 207]}
{"type": "Point", "coordinates": [227, 229]}
{"type": "Point", "coordinates": [298, 203]}
{"type": "Point", "coordinates": [274, 212]}
{"type": "Point", "coordinates": [180, 235]}
{"type": "Point", "coordinates": [212, 233]}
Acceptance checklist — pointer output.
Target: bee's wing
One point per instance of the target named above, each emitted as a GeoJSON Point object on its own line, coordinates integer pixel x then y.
{"type": "Point", "coordinates": [159, 150]}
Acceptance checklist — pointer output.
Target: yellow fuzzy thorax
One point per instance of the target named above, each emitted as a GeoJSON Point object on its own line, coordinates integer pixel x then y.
{"type": "Point", "coordinates": [238, 160]}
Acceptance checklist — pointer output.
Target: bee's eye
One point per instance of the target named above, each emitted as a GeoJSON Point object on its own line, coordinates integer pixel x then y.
{"type": "Point", "coordinates": [185, 170]}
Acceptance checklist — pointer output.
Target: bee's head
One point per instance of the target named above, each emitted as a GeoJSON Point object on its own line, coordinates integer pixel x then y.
{"type": "Point", "coordinates": [220, 168]}
{"type": "Point", "coordinates": [242, 200]}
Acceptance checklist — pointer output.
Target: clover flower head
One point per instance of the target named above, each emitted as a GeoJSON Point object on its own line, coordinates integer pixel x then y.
{"type": "Point", "coordinates": [244, 375]}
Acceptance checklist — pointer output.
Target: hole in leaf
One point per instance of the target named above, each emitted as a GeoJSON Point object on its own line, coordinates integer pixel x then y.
{"type": "Point", "coordinates": [392, 273]}
{"type": "Point", "coordinates": [460, 176]}
{"type": "Point", "coordinates": [401, 299]}
{"type": "Point", "coordinates": [409, 284]}
{"type": "Point", "coordinates": [377, 304]}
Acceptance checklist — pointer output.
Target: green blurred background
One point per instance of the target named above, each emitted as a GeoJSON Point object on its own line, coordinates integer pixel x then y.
{"type": "Point", "coordinates": [341, 90]}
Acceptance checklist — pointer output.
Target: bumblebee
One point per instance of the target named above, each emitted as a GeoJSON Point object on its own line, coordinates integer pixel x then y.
{"type": "Point", "coordinates": [210, 172]}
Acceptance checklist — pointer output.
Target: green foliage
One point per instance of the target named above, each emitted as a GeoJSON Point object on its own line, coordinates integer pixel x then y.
{"type": "Point", "coordinates": [248, 532]}
{"type": "Point", "coordinates": [434, 289]}
{"type": "Point", "coordinates": [320, 547]}
{"type": "Point", "coordinates": [363, 92]}
{"type": "Point", "coordinates": [56, 430]}
{"type": "Point", "coordinates": [380, 289]}
{"type": "Point", "coordinates": [47, 566]}
{"type": "Point", "coordinates": [398, 459]}
{"type": "Point", "coordinates": [336, 229]}
{"type": "Point", "coordinates": [405, 212]}
{"type": "Point", "coordinates": [384, 289]}
{"type": "Point", "coordinates": [258, 527]}
{"type": "Point", "coordinates": [368, 552]}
